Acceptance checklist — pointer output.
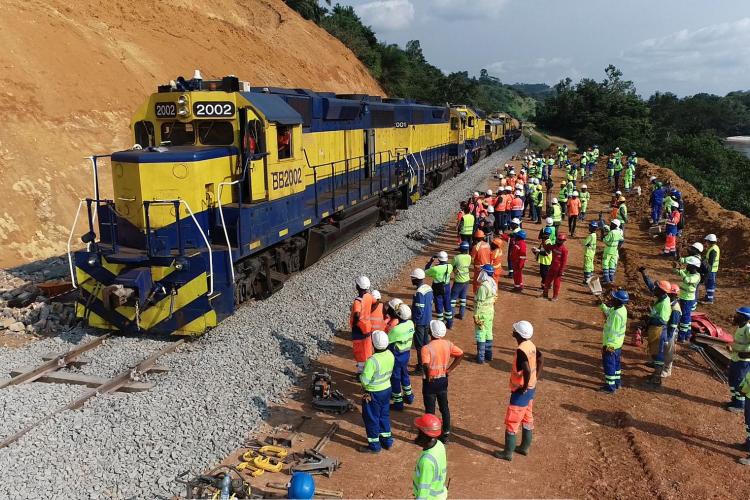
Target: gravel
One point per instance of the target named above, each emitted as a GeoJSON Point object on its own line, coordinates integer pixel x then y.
{"type": "Point", "coordinates": [219, 387]}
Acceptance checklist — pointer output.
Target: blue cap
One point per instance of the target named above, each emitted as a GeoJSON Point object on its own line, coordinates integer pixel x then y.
{"type": "Point", "coordinates": [487, 268]}
{"type": "Point", "coordinates": [464, 245]}
{"type": "Point", "coordinates": [745, 311]}
{"type": "Point", "coordinates": [547, 230]}
{"type": "Point", "coordinates": [302, 486]}
{"type": "Point", "coordinates": [593, 225]}
{"type": "Point", "coordinates": [621, 296]}
{"type": "Point", "coordinates": [521, 234]}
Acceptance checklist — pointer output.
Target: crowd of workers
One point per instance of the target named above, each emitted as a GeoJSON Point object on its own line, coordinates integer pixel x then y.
{"type": "Point", "coordinates": [491, 236]}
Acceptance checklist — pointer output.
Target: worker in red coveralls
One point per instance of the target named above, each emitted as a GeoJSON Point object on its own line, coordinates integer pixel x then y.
{"type": "Point", "coordinates": [359, 321]}
{"type": "Point", "coordinates": [496, 247]}
{"type": "Point", "coordinates": [557, 268]}
{"type": "Point", "coordinates": [518, 259]}
{"type": "Point", "coordinates": [481, 254]}
{"type": "Point", "coordinates": [673, 229]}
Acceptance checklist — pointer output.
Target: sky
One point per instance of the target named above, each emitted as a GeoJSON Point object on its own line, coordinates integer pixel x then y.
{"type": "Point", "coordinates": [679, 46]}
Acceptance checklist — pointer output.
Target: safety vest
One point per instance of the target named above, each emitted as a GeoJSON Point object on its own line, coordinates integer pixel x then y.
{"type": "Point", "coordinates": [468, 224]}
{"type": "Point", "coordinates": [538, 196]}
{"type": "Point", "coordinates": [622, 213]}
{"type": "Point", "coordinates": [688, 284]}
{"type": "Point", "coordinates": [589, 245]}
{"type": "Point", "coordinates": [614, 326]}
{"type": "Point", "coordinates": [431, 473]}
{"type": "Point", "coordinates": [500, 203]}
{"type": "Point", "coordinates": [545, 258]}
{"type": "Point", "coordinates": [563, 196]}
{"type": "Point", "coordinates": [516, 374]}
{"type": "Point", "coordinates": [401, 336]}
{"type": "Point", "coordinates": [361, 306]}
{"type": "Point", "coordinates": [439, 355]}
{"type": "Point", "coordinates": [440, 273]}
{"type": "Point", "coordinates": [741, 342]}
{"type": "Point", "coordinates": [612, 241]}
{"type": "Point", "coordinates": [377, 321]}
{"type": "Point", "coordinates": [484, 299]}
{"type": "Point", "coordinates": [556, 213]}
{"type": "Point", "coordinates": [462, 267]}
{"type": "Point", "coordinates": [715, 265]}
{"type": "Point", "coordinates": [661, 310]}
{"type": "Point", "coordinates": [376, 374]}
{"type": "Point", "coordinates": [584, 196]}
{"type": "Point", "coordinates": [516, 204]}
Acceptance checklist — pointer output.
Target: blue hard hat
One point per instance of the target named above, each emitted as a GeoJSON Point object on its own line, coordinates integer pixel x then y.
{"type": "Point", "coordinates": [547, 230]}
{"type": "Point", "coordinates": [302, 486]}
{"type": "Point", "coordinates": [745, 311]}
{"type": "Point", "coordinates": [521, 234]}
{"type": "Point", "coordinates": [621, 296]}
{"type": "Point", "coordinates": [487, 268]}
{"type": "Point", "coordinates": [464, 245]}
{"type": "Point", "coordinates": [593, 224]}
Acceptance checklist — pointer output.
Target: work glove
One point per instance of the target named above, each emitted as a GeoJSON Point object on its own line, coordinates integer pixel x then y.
{"type": "Point", "coordinates": [366, 398]}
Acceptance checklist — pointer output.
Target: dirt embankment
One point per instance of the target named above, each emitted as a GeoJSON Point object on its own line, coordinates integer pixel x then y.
{"type": "Point", "coordinates": [71, 74]}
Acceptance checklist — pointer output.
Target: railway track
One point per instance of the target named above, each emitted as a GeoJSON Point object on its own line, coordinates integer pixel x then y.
{"type": "Point", "coordinates": [51, 370]}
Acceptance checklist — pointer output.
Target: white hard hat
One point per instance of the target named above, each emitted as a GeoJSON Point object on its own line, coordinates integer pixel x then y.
{"type": "Point", "coordinates": [512, 171]}
{"type": "Point", "coordinates": [549, 221]}
{"type": "Point", "coordinates": [523, 170]}
{"type": "Point", "coordinates": [519, 184]}
{"type": "Point", "coordinates": [507, 165]}
{"type": "Point", "coordinates": [693, 261]}
{"type": "Point", "coordinates": [363, 282]}
{"type": "Point", "coordinates": [437, 328]}
{"type": "Point", "coordinates": [535, 180]}
{"type": "Point", "coordinates": [652, 179]}
{"type": "Point", "coordinates": [618, 193]}
{"type": "Point", "coordinates": [491, 209]}
{"type": "Point", "coordinates": [698, 246]}
{"type": "Point", "coordinates": [575, 193]}
{"type": "Point", "coordinates": [515, 220]}
{"type": "Point", "coordinates": [524, 329]}
{"type": "Point", "coordinates": [418, 273]}
{"type": "Point", "coordinates": [675, 205]}
{"type": "Point", "coordinates": [616, 222]}
{"type": "Point", "coordinates": [379, 340]}
{"type": "Point", "coordinates": [476, 194]}
{"type": "Point", "coordinates": [711, 237]}
{"type": "Point", "coordinates": [489, 192]}
{"type": "Point", "coordinates": [519, 192]}
{"type": "Point", "coordinates": [584, 186]}
{"type": "Point", "coordinates": [555, 201]}
{"type": "Point", "coordinates": [394, 303]}
{"type": "Point", "coordinates": [376, 295]}
{"type": "Point", "coordinates": [442, 256]}
{"type": "Point", "coordinates": [508, 188]}
{"type": "Point", "coordinates": [403, 312]}
{"type": "Point", "coordinates": [502, 176]}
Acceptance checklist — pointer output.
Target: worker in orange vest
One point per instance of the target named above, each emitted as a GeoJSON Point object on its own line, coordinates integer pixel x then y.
{"type": "Point", "coordinates": [439, 358]}
{"type": "Point", "coordinates": [359, 322]}
{"type": "Point", "coordinates": [526, 369]}
{"type": "Point", "coordinates": [496, 256]}
{"type": "Point", "coordinates": [481, 254]}
{"type": "Point", "coordinates": [377, 316]}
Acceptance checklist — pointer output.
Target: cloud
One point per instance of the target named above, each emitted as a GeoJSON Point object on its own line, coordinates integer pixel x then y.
{"type": "Point", "coordinates": [541, 69]}
{"type": "Point", "coordinates": [387, 15]}
{"type": "Point", "coordinates": [465, 10]}
{"type": "Point", "coordinates": [686, 61]}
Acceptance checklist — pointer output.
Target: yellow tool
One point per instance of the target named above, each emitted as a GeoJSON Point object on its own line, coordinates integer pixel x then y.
{"type": "Point", "coordinates": [269, 464]}
{"type": "Point", "coordinates": [250, 468]}
{"type": "Point", "coordinates": [274, 451]}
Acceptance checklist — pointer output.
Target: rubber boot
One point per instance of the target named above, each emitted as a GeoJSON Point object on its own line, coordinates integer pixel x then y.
{"type": "Point", "coordinates": [510, 446]}
{"type": "Point", "coordinates": [525, 442]}
{"type": "Point", "coordinates": [480, 353]}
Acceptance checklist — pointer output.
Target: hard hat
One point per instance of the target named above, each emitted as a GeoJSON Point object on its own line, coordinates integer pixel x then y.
{"type": "Point", "coordinates": [664, 285]}
{"type": "Point", "coordinates": [618, 193]}
{"type": "Point", "coordinates": [535, 180]}
{"type": "Point", "coordinates": [491, 209]}
{"type": "Point", "coordinates": [302, 484]}
{"type": "Point", "coordinates": [675, 289]}
{"type": "Point", "coordinates": [502, 176]}
{"type": "Point", "coordinates": [429, 424]}
{"type": "Point", "coordinates": [745, 311]}
{"type": "Point", "coordinates": [632, 153]}
{"type": "Point", "coordinates": [593, 225]}
{"type": "Point", "coordinates": [464, 246]}
{"type": "Point", "coordinates": [442, 256]}
{"type": "Point", "coordinates": [403, 312]}
{"type": "Point", "coordinates": [394, 303]}
{"type": "Point", "coordinates": [479, 234]}
{"type": "Point", "coordinates": [379, 339]}
{"type": "Point", "coordinates": [519, 193]}
{"type": "Point", "coordinates": [574, 194]}
{"type": "Point", "coordinates": [584, 186]}
{"type": "Point", "coordinates": [476, 195]}
{"type": "Point", "coordinates": [711, 237]}
{"type": "Point", "coordinates": [487, 268]}
{"type": "Point", "coordinates": [617, 149]}
{"type": "Point", "coordinates": [562, 237]}
{"type": "Point", "coordinates": [549, 220]}
{"type": "Point", "coordinates": [515, 220]}
{"type": "Point", "coordinates": [698, 246]}
{"type": "Point", "coordinates": [693, 261]}
{"type": "Point", "coordinates": [197, 75]}
{"type": "Point", "coordinates": [616, 222]}
{"type": "Point", "coordinates": [523, 170]}
{"type": "Point", "coordinates": [621, 295]}
{"type": "Point", "coordinates": [521, 234]}
{"type": "Point", "coordinates": [512, 171]}
{"type": "Point", "coordinates": [418, 273]}
{"type": "Point", "coordinates": [675, 206]}
{"type": "Point", "coordinates": [497, 242]}
{"type": "Point", "coordinates": [519, 185]}
{"type": "Point", "coordinates": [555, 201]}
{"type": "Point", "coordinates": [524, 329]}
{"type": "Point", "coordinates": [652, 179]}
{"type": "Point", "coordinates": [489, 192]}
{"type": "Point", "coordinates": [508, 188]}
{"type": "Point", "coordinates": [437, 328]}
{"type": "Point", "coordinates": [563, 183]}
{"type": "Point", "coordinates": [376, 295]}
{"type": "Point", "coordinates": [547, 230]}
{"type": "Point", "coordinates": [621, 198]}
{"type": "Point", "coordinates": [363, 282]}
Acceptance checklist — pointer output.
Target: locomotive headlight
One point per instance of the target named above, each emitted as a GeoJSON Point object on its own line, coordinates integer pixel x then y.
{"type": "Point", "coordinates": [182, 100]}
{"type": "Point", "coordinates": [93, 259]}
{"type": "Point", "coordinates": [183, 112]}
{"type": "Point", "coordinates": [180, 263]}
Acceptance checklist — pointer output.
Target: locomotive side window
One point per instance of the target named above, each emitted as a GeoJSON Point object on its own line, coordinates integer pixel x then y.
{"type": "Point", "coordinates": [144, 134]}
{"type": "Point", "coordinates": [471, 121]}
{"type": "Point", "coordinates": [454, 123]}
{"type": "Point", "coordinates": [178, 133]}
{"type": "Point", "coordinates": [284, 141]}
{"type": "Point", "coordinates": [254, 138]}
{"type": "Point", "coordinates": [215, 133]}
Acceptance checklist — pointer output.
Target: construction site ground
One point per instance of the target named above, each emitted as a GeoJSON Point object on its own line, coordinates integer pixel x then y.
{"type": "Point", "coordinates": [673, 442]}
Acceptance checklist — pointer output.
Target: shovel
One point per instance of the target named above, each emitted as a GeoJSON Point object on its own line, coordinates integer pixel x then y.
{"type": "Point", "coordinates": [594, 285]}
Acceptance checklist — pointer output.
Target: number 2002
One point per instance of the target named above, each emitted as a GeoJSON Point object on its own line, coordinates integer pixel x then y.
{"type": "Point", "coordinates": [287, 178]}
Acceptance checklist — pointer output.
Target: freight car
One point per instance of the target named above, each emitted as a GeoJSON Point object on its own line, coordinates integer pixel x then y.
{"type": "Point", "coordinates": [231, 188]}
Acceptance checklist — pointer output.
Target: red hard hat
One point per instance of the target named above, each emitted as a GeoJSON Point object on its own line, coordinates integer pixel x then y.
{"type": "Point", "coordinates": [665, 286]}
{"type": "Point", "coordinates": [479, 233]}
{"type": "Point", "coordinates": [429, 424]}
{"type": "Point", "coordinates": [562, 237]}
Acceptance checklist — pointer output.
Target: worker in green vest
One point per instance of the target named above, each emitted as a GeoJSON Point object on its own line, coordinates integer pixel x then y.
{"type": "Point", "coordinates": [740, 365]}
{"type": "Point", "coordinates": [441, 286]}
{"type": "Point", "coordinates": [691, 277]}
{"type": "Point", "coordinates": [466, 224]}
{"type": "Point", "coordinates": [537, 198]}
{"type": "Point", "coordinates": [562, 196]}
{"type": "Point", "coordinates": [376, 382]}
{"type": "Point", "coordinates": [618, 172]}
{"type": "Point", "coordinates": [613, 240]}
{"type": "Point", "coordinates": [462, 271]}
{"type": "Point", "coordinates": [622, 212]}
{"type": "Point", "coordinates": [745, 391]}
{"type": "Point", "coordinates": [484, 312]}
{"type": "Point", "coordinates": [585, 196]}
{"type": "Point", "coordinates": [431, 474]}
{"type": "Point", "coordinates": [613, 337]}
{"type": "Point", "coordinates": [400, 340]}
{"type": "Point", "coordinates": [589, 252]}
{"type": "Point", "coordinates": [712, 267]}
{"type": "Point", "coordinates": [556, 214]}
{"type": "Point", "coordinates": [611, 170]}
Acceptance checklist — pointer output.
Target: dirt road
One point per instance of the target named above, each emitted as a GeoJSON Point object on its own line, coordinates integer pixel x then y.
{"type": "Point", "coordinates": [676, 442]}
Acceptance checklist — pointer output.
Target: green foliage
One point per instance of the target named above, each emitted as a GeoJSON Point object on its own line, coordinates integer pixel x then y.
{"type": "Point", "coordinates": [684, 134]}
{"type": "Point", "coordinates": [309, 9]}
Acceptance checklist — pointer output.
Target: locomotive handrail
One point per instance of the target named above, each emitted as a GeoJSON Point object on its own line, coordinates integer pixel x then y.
{"type": "Point", "coordinates": [223, 223]}
{"type": "Point", "coordinates": [70, 242]}
{"type": "Point", "coordinates": [200, 230]}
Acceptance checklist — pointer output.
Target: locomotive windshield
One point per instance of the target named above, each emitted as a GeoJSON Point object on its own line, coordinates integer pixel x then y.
{"type": "Point", "coordinates": [209, 133]}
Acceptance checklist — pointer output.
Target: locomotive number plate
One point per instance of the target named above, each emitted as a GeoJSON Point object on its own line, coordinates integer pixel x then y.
{"type": "Point", "coordinates": [213, 109]}
{"type": "Point", "coordinates": [165, 110]}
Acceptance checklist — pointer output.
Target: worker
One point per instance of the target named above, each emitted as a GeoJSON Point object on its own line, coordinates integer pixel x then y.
{"type": "Point", "coordinates": [376, 383]}
{"type": "Point", "coordinates": [613, 240]}
{"type": "Point", "coordinates": [562, 196]}
{"type": "Point", "coordinates": [745, 391]}
{"type": "Point", "coordinates": [461, 269]}
{"type": "Point", "coordinates": [550, 223]}
{"type": "Point", "coordinates": [550, 166]}
{"type": "Point", "coordinates": [441, 286]}
{"type": "Point", "coordinates": [696, 250]}
{"type": "Point", "coordinates": [543, 256]}
{"type": "Point", "coordinates": [526, 370]}
{"type": "Point", "coordinates": [556, 271]}
{"type": "Point", "coordinates": [391, 314]}
{"type": "Point", "coordinates": [611, 170]}
{"type": "Point", "coordinates": [487, 223]}
{"type": "Point", "coordinates": [574, 210]}
{"type": "Point", "coordinates": [712, 267]}
{"type": "Point", "coordinates": [518, 259]}
{"type": "Point", "coordinates": [359, 322]}
{"type": "Point", "coordinates": [690, 279]}
{"type": "Point", "coordinates": [656, 200]}
{"type": "Point", "coordinates": [672, 329]}
{"type": "Point", "coordinates": [466, 224]}
{"type": "Point", "coordinates": [400, 340]}
{"type": "Point", "coordinates": [673, 221]}
{"type": "Point", "coordinates": [556, 214]}
{"type": "Point", "coordinates": [589, 252]}
{"type": "Point", "coordinates": [481, 254]}
{"type": "Point", "coordinates": [656, 324]}
{"type": "Point", "coordinates": [484, 313]}
{"type": "Point", "coordinates": [500, 201]}
{"type": "Point", "coordinates": [613, 337]}
{"type": "Point", "coordinates": [439, 358]}
{"type": "Point", "coordinates": [595, 155]}
{"type": "Point", "coordinates": [585, 197]}
{"type": "Point", "coordinates": [421, 309]}
{"type": "Point", "coordinates": [618, 154]}
{"type": "Point", "coordinates": [740, 365]}
{"type": "Point", "coordinates": [496, 256]}
{"type": "Point", "coordinates": [508, 202]}
{"type": "Point", "coordinates": [622, 211]}
{"type": "Point", "coordinates": [431, 473]}
{"type": "Point", "coordinates": [630, 172]}
{"type": "Point", "coordinates": [537, 202]}
{"type": "Point", "coordinates": [618, 172]}
{"type": "Point", "coordinates": [377, 315]}
{"type": "Point", "coordinates": [516, 205]}
{"type": "Point", "coordinates": [561, 157]}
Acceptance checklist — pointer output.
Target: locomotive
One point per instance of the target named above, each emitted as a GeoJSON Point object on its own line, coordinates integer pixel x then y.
{"type": "Point", "coordinates": [230, 188]}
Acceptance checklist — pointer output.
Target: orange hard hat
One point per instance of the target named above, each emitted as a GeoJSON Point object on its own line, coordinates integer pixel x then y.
{"type": "Point", "coordinates": [479, 233]}
{"type": "Point", "coordinates": [674, 289]}
{"type": "Point", "coordinates": [498, 242]}
{"type": "Point", "coordinates": [429, 424]}
{"type": "Point", "coordinates": [665, 286]}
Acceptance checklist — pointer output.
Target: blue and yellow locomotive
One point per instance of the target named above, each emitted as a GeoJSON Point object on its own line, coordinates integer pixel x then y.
{"type": "Point", "coordinates": [230, 188]}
